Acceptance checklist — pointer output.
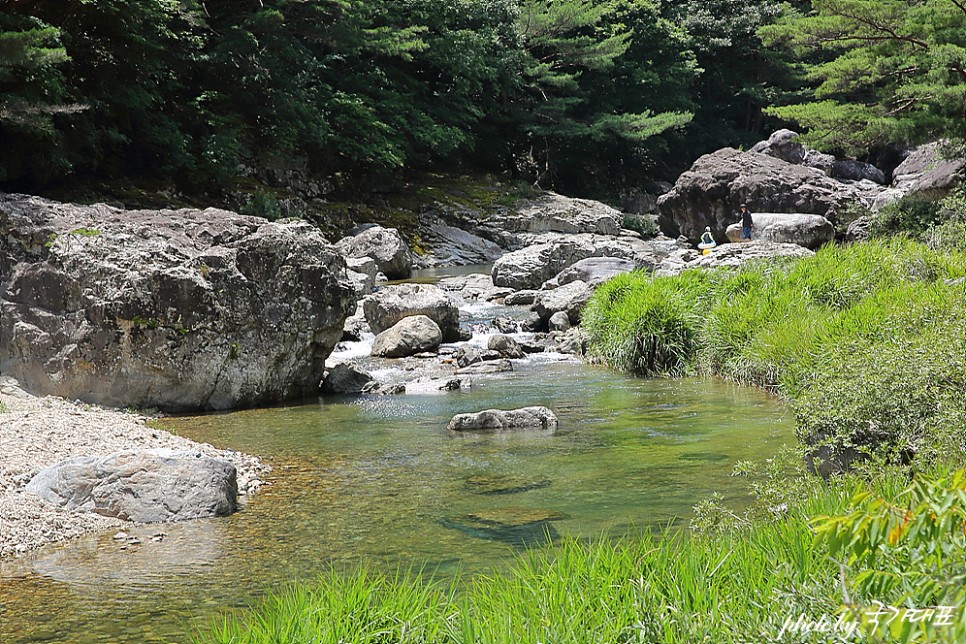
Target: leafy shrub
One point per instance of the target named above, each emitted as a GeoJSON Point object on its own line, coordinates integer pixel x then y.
{"type": "Point", "coordinates": [646, 226]}
{"type": "Point", "coordinates": [262, 204]}
{"type": "Point", "coordinates": [911, 215]}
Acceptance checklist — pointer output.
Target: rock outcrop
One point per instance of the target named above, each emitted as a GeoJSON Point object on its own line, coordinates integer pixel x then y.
{"type": "Point", "coordinates": [391, 304]}
{"type": "Point", "coordinates": [593, 271]}
{"type": "Point", "coordinates": [710, 192]}
{"type": "Point", "coordinates": [172, 309]}
{"type": "Point", "coordinates": [927, 173]}
{"type": "Point", "coordinates": [383, 245]}
{"type": "Point", "coordinates": [498, 419]}
{"type": "Point", "coordinates": [810, 231]}
{"type": "Point", "coordinates": [148, 486]}
{"type": "Point", "coordinates": [555, 213]}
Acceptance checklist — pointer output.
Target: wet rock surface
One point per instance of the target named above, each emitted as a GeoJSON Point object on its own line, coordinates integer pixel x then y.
{"type": "Point", "coordinates": [499, 419]}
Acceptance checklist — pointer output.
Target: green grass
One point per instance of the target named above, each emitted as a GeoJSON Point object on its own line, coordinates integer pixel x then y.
{"type": "Point", "coordinates": [723, 586]}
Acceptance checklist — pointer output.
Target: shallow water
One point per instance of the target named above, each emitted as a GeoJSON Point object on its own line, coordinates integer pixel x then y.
{"type": "Point", "coordinates": [381, 479]}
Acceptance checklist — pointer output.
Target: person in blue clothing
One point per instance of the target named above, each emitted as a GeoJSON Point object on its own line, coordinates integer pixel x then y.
{"type": "Point", "coordinates": [747, 223]}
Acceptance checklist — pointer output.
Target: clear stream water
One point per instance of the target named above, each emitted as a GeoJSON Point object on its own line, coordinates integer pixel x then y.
{"type": "Point", "coordinates": [379, 479]}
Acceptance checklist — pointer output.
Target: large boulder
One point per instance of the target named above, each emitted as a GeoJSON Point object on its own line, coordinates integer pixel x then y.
{"type": "Point", "coordinates": [498, 419]}
{"type": "Point", "coordinates": [172, 309]}
{"type": "Point", "coordinates": [928, 172]}
{"type": "Point", "coordinates": [592, 270]}
{"type": "Point", "coordinates": [391, 304]}
{"type": "Point", "coordinates": [810, 231]}
{"type": "Point", "coordinates": [411, 335]}
{"type": "Point", "coordinates": [530, 267]}
{"type": "Point", "coordinates": [782, 144]}
{"type": "Point", "coordinates": [385, 246]}
{"type": "Point", "coordinates": [147, 486]}
{"type": "Point", "coordinates": [569, 298]}
{"type": "Point", "coordinates": [555, 213]}
{"type": "Point", "coordinates": [710, 192]}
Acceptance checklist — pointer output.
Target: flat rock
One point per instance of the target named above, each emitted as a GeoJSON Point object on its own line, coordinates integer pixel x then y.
{"type": "Point", "coordinates": [810, 231]}
{"type": "Point", "coordinates": [147, 487]}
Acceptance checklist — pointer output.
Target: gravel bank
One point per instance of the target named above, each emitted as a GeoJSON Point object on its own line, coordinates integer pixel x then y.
{"type": "Point", "coordinates": [38, 432]}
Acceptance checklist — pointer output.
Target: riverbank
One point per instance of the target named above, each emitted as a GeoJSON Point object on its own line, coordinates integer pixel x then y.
{"type": "Point", "coordinates": [39, 432]}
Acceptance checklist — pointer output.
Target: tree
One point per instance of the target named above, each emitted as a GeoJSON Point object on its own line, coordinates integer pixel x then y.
{"type": "Point", "coordinates": [894, 71]}
{"type": "Point", "coordinates": [567, 106]}
{"type": "Point", "coordinates": [31, 94]}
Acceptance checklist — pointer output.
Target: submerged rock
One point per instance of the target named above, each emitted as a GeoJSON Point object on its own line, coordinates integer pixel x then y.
{"type": "Point", "coordinates": [498, 419]}
{"type": "Point", "coordinates": [172, 309]}
{"type": "Point", "coordinates": [147, 487]}
{"type": "Point", "coordinates": [498, 484]}
{"type": "Point", "coordinates": [514, 526]}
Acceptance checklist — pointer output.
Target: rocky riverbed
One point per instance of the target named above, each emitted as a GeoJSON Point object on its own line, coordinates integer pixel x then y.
{"type": "Point", "coordinates": [36, 432]}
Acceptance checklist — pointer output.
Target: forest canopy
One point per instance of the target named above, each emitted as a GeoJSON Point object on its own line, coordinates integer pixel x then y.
{"type": "Point", "coordinates": [584, 95]}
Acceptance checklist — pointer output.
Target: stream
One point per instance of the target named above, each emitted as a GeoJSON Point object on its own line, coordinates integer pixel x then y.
{"type": "Point", "coordinates": [379, 479]}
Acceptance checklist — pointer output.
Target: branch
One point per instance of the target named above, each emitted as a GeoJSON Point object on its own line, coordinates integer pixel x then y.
{"type": "Point", "coordinates": [892, 32]}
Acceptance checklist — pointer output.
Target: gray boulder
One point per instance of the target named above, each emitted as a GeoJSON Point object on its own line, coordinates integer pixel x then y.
{"type": "Point", "coordinates": [520, 298]}
{"type": "Point", "coordinates": [592, 271]}
{"type": "Point", "coordinates": [569, 298]}
{"type": "Point", "coordinates": [710, 192]}
{"type": "Point", "coordinates": [531, 266]}
{"type": "Point", "coordinates": [928, 172]}
{"type": "Point", "coordinates": [362, 273]}
{"type": "Point", "coordinates": [498, 419]}
{"type": "Point", "coordinates": [147, 487]}
{"type": "Point", "coordinates": [559, 321]}
{"type": "Point", "coordinates": [810, 231]}
{"type": "Point", "coordinates": [782, 144]}
{"type": "Point", "coordinates": [467, 355]}
{"type": "Point", "coordinates": [174, 309]}
{"type": "Point", "coordinates": [504, 345]}
{"type": "Point", "coordinates": [475, 286]}
{"type": "Point", "coordinates": [852, 170]}
{"type": "Point", "coordinates": [574, 341]}
{"type": "Point", "coordinates": [411, 335]}
{"type": "Point", "coordinates": [391, 304]}
{"type": "Point", "coordinates": [820, 161]}
{"type": "Point", "coordinates": [555, 213]}
{"type": "Point", "coordinates": [345, 378]}
{"type": "Point", "coordinates": [385, 246]}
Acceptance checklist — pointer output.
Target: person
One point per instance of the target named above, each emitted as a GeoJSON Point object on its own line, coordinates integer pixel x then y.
{"type": "Point", "coordinates": [707, 241]}
{"type": "Point", "coordinates": [747, 223]}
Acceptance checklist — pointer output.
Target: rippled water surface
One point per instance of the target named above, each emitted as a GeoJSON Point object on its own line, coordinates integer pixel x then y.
{"type": "Point", "coordinates": [380, 479]}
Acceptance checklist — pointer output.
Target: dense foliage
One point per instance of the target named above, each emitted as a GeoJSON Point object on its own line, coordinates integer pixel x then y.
{"type": "Point", "coordinates": [887, 71]}
{"type": "Point", "coordinates": [583, 93]}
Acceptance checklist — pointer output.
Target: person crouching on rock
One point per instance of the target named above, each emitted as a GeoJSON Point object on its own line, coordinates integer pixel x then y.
{"type": "Point", "coordinates": [707, 241]}
{"type": "Point", "coordinates": [747, 223]}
